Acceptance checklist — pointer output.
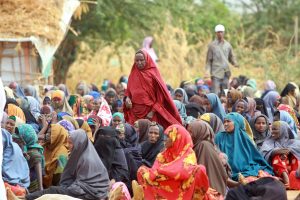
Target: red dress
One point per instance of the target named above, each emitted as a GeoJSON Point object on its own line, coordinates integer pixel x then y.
{"type": "Point", "coordinates": [148, 92]}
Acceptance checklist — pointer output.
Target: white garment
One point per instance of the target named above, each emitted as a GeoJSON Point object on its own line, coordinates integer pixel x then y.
{"type": "Point", "coordinates": [2, 104]}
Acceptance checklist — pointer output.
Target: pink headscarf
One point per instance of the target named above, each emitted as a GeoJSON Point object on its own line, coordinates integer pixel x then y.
{"type": "Point", "coordinates": [124, 190]}
{"type": "Point", "coordinates": [270, 85]}
{"type": "Point", "coordinates": [147, 47]}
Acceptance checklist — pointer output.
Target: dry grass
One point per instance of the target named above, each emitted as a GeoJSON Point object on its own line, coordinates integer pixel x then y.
{"type": "Point", "coordinates": [181, 61]}
{"type": "Point", "coordinates": [24, 18]}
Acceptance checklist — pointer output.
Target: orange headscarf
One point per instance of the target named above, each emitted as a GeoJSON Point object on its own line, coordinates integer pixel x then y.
{"type": "Point", "coordinates": [13, 110]}
{"type": "Point", "coordinates": [56, 153]}
{"type": "Point", "coordinates": [175, 173]}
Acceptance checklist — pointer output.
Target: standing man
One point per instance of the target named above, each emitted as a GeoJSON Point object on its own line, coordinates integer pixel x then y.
{"type": "Point", "coordinates": [219, 55]}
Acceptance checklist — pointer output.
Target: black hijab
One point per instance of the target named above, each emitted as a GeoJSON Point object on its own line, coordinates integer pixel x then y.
{"type": "Point", "coordinates": [150, 150]}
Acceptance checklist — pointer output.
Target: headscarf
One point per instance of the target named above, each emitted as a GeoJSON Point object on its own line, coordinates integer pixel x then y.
{"type": "Point", "coordinates": [19, 91]}
{"type": "Point", "coordinates": [65, 105]}
{"type": "Point", "coordinates": [235, 95]}
{"type": "Point", "coordinates": [104, 112]}
{"type": "Point", "coordinates": [248, 91]}
{"type": "Point", "coordinates": [143, 129]}
{"type": "Point", "coordinates": [269, 100]}
{"type": "Point", "coordinates": [260, 102]}
{"type": "Point", "coordinates": [246, 109]}
{"type": "Point", "coordinates": [9, 92]}
{"type": "Point", "coordinates": [131, 137]}
{"type": "Point", "coordinates": [32, 92]}
{"type": "Point", "coordinates": [84, 175]}
{"type": "Point", "coordinates": [64, 88]}
{"type": "Point", "coordinates": [15, 169]}
{"type": "Point", "coordinates": [194, 110]}
{"type": "Point", "coordinates": [28, 135]}
{"type": "Point", "coordinates": [175, 173]}
{"type": "Point", "coordinates": [285, 94]}
{"type": "Point", "coordinates": [216, 105]}
{"type": "Point", "coordinates": [197, 99]}
{"type": "Point", "coordinates": [243, 157]}
{"type": "Point", "coordinates": [181, 109]}
{"type": "Point", "coordinates": [85, 126]}
{"type": "Point", "coordinates": [111, 153]}
{"type": "Point", "coordinates": [147, 46]}
{"type": "Point", "coordinates": [269, 85]}
{"type": "Point", "coordinates": [286, 117]}
{"type": "Point", "coordinates": [150, 150]}
{"type": "Point", "coordinates": [214, 121]}
{"type": "Point", "coordinates": [284, 141]}
{"type": "Point", "coordinates": [34, 107]}
{"type": "Point", "coordinates": [16, 111]}
{"type": "Point", "coordinates": [67, 125]}
{"type": "Point", "coordinates": [70, 119]}
{"type": "Point", "coordinates": [83, 86]}
{"type": "Point", "coordinates": [207, 155]}
{"type": "Point", "coordinates": [258, 137]}
{"type": "Point", "coordinates": [148, 84]}
{"type": "Point", "coordinates": [287, 89]}
{"type": "Point", "coordinates": [183, 93]}
{"type": "Point", "coordinates": [252, 83]}
{"type": "Point", "coordinates": [56, 153]}
{"type": "Point", "coordinates": [120, 115]}
{"type": "Point", "coordinates": [94, 94]}
{"type": "Point", "coordinates": [291, 111]}
{"type": "Point", "coordinates": [252, 107]}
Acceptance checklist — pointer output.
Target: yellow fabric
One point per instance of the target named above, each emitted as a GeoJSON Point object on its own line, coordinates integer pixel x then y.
{"type": "Point", "coordinates": [65, 105]}
{"type": "Point", "coordinates": [13, 110]}
{"type": "Point", "coordinates": [85, 126]}
{"type": "Point", "coordinates": [58, 146]}
{"type": "Point", "coordinates": [249, 130]}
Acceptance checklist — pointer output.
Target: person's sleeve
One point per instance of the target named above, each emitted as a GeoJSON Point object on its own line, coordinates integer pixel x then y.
{"type": "Point", "coordinates": [232, 58]}
{"type": "Point", "coordinates": [209, 59]}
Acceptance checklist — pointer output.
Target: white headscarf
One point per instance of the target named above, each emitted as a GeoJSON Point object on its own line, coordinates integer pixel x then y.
{"type": "Point", "coordinates": [2, 104]}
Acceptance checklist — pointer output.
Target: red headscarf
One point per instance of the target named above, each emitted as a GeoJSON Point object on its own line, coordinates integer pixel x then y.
{"type": "Point", "coordinates": [148, 92]}
{"type": "Point", "coordinates": [175, 173]}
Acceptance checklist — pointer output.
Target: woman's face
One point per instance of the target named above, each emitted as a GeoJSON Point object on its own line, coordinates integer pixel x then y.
{"type": "Point", "coordinates": [275, 131]}
{"type": "Point", "coordinates": [153, 134]}
{"type": "Point", "coordinates": [229, 99]}
{"type": "Point", "coordinates": [110, 99]}
{"type": "Point", "coordinates": [240, 107]}
{"type": "Point", "coordinates": [178, 96]}
{"type": "Point", "coordinates": [116, 121]}
{"type": "Point", "coordinates": [277, 102]}
{"type": "Point", "coordinates": [57, 102]}
{"type": "Point", "coordinates": [168, 142]}
{"type": "Point", "coordinates": [260, 124]}
{"type": "Point", "coordinates": [206, 105]}
{"type": "Point", "coordinates": [96, 105]}
{"type": "Point", "coordinates": [228, 125]}
{"type": "Point", "coordinates": [80, 91]}
{"type": "Point", "coordinates": [10, 126]}
{"type": "Point", "coordinates": [140, 61]}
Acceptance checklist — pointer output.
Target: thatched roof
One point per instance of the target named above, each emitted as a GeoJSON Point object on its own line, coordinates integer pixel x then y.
{"type": "Point", "coordinates": [25, 18]}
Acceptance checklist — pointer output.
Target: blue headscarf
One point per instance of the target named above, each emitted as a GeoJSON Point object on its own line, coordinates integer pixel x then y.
{"type": "Point", "coordinates": [95, 95]}
{"type": "Point", "coordinates": [15, 169]}
{"type": "Point", "coordinates": [286, 117]}
{"type": "Point", "coordinates": [216, 105]}
{"type": "Point", "coordinates": [243, 157]}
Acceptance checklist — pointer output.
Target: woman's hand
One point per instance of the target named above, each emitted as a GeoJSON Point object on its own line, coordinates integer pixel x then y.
{"type": "Point", "coordinates": [128, 103]}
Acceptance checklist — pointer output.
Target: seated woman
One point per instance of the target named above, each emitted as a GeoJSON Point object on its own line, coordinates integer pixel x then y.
{"type": "Point", "coordinates": [243, 157]}
{"type": "Point", "coordinates": [15, 171]}
{"type": "Point", "coordinates": [282, 115]}
{"type": "Point", "coordinates": [175, 173]}
{"type": "Point", "coordinates": [56, 154]}
{"type": "Point", "coordinates": [281, 151]}
{"type": "Point", "coordinates": [153, 146]}
{"type": "Point", "coordinates": [232, 96]}
{"type": "Point", "coordinates": [111, 153]}
{"type": "Point", "coordinates": [27, 139]}
{"type": "Point", "coordinates": [84, 176]}
{"type": "Point", "coordinates": [10, 124]}
{"type": "Point", "coordinates": [85, 126]}
{"type": "Point", "coordinates": [181, 110]}
{"type": "Point", "coordinates": [180, 95]}
{"type": "Point", "coordinates": [260, 128]}
{"type": "Point", "coordinates": [101, 108]}
{"type": "Point", "coordinates": [207, 155]}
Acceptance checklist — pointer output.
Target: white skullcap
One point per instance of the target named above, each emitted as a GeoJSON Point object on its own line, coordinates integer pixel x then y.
{"type": "Point", "coordinates": [219, 28]}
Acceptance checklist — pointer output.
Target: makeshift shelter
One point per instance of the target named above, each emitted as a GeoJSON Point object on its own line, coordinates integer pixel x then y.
{"type": "Point", "coordinates": [30, 33]}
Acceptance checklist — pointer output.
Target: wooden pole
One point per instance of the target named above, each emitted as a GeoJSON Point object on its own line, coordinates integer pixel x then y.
{"type": "Point", "coordinates": [296, 37]}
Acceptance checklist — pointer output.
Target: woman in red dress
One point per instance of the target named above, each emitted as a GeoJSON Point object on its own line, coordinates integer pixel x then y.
{"type": "Point", "coordinates": [147, 95]}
